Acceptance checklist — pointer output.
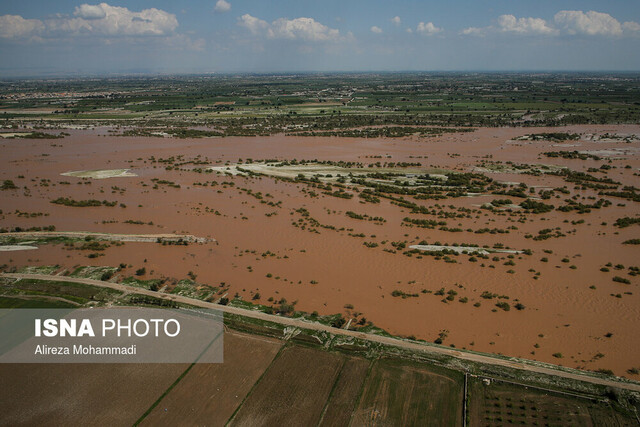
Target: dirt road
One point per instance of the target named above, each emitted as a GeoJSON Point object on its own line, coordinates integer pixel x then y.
{"type": "Point", "coordinates": [427, 348]}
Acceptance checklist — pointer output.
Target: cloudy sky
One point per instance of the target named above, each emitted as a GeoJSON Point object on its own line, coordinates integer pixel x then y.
{"type": "Point", "coordinates": [44, 37]}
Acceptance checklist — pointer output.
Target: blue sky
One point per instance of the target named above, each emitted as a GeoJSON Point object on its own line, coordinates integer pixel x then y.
{"type": "Point", "coordinates": [158, 36]}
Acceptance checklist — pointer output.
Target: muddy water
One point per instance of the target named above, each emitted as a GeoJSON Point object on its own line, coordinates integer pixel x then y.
{"type": "Point", "coordinates": [562, 313]}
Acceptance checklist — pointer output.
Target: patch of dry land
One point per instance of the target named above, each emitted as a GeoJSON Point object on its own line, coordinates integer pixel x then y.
{"type": "Point", "coordinates": [495, 240]}
{"type": "Point", "coordinates": [101, 174]}
{"type": "Point", "coordinates": [14, 134]}
{"type": "Point", "coordinates": [11, 248]}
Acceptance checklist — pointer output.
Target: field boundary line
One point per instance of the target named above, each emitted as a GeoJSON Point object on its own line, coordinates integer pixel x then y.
{"type": "Point", "coordinates": [548, 390]}
{"type": "Point", "coordinates": [255, 384]}
{"type": "Point", "coordinates": [464, 401]}
{"type": "Point", "coordinates": [361, 391]}
{"type": "Point", "coordinates": [333, 388]}
{"type": "Point", "coordinates": [175, 383]}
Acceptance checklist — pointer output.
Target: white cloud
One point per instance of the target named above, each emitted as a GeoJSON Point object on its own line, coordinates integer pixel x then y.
{"type": "Point", "coordinates": [302, 28]}
{"type": "Point", "coordinates": [475, 31]}
{"type": "Point", "coordinates": [590, 23]}
{"type": "Point", "coordinates": [396, 20]}
{"type": "Point", "coordinates": [511, 24]}
{"type": "Point", "coordinates": [15, 27]}
{"type": "Point", "coordinates": [572, 22]}
{"type": "Point", "coordinates": [106, 20]}
{"type": "Point", "coordinates": [376, 30]}
{"type": "Point", "coordinates": [428, 28]}
{"type": "Point", "coordinates": [307, 29]}
{"type": "Point", "coordinates": [253, 24]}
{"type": "Point", "coordinates": [222, 6]}
{"type": "Point", "coordinates": [64, 26]}
{"type": "Point", "coordinates": [100, 20]}
{"type": "Point", "coordinates": [631, 27]}
{"type": "Point", "coordinates": [88, 11]}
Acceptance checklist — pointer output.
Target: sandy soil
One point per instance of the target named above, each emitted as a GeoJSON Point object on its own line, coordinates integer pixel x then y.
{"type": "Point", "coordinates": [326, 270]}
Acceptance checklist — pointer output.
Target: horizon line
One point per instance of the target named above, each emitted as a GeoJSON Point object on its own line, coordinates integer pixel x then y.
{"type": "Point", "coordinates": [143, 74]}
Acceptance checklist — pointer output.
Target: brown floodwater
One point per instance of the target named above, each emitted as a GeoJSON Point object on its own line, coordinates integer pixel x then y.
{"type": "Point", "coordinates": [328, 270]}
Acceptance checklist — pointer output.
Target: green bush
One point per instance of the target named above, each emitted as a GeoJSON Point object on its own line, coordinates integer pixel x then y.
{"type": "Point", "coordinates": [536, 207]}
{"type": "Point", "coordinates": [7, 184]}
{"type": "Point", "coordinates": [503, 305]}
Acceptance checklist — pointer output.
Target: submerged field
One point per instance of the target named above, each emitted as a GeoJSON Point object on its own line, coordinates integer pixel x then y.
{"type": "Point", "coordinates": [515, 241]}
